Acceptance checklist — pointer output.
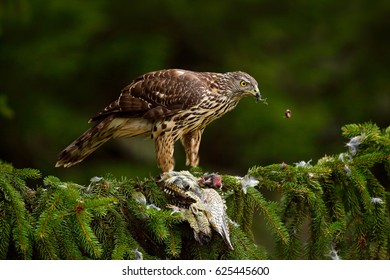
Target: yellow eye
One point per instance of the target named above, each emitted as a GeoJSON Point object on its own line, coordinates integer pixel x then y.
{"type": "Point", "coordinates": [243, 83]}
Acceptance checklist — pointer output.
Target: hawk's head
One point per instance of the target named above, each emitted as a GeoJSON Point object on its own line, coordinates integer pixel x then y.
{"type": "Point", "coordinates": [241, 84]}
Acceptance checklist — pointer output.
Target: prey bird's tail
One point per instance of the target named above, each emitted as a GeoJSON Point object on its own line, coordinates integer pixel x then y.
{"type": "Point", "coordinates": [93, 138]}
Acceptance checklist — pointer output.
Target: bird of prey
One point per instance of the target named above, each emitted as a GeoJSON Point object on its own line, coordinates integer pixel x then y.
{"type": "Point", "coordinates": [166, 105]}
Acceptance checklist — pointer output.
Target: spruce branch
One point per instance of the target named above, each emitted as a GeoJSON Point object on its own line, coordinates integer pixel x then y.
{"type": "Point", "coordinates": [337, 208]}
{"type": "Point", "coordinates": [15, 206]}
{"type": "Point", "coordinates": [269, 210]}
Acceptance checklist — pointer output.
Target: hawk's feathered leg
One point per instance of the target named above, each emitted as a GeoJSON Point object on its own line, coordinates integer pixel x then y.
{"type": "Point", "coordinates": [191, 143]}
{"type": "Point", "coordinates": [165, 146]}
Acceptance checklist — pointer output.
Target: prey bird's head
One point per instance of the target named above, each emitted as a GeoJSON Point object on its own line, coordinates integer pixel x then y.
{"type": "Point", "coordinates": [242, 84]}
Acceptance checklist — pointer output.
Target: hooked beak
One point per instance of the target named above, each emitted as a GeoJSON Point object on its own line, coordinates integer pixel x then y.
{"type": "Point", "coordinates": [256, 93]}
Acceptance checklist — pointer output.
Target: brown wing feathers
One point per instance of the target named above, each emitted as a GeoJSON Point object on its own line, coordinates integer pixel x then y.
{"type": "Point", "coordinates": [156, 95]}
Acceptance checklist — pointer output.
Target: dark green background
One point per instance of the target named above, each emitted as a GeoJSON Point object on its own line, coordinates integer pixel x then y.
{"type": "Point", "coordinates": [63, 61]}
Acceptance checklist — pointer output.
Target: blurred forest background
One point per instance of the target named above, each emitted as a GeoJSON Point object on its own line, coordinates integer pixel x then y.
{"type": "Point", "coordinates": [63, 61]}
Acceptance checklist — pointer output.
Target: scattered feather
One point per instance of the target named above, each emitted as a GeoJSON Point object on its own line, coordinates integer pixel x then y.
{"type": "Point", "coordinates": [354, 143]}
{"type": "Point", "coordinates": [344, 157]}
{"type": "Point", "coordinates": [333, 254]}
{"type": "Point", "coordinates": [138, 255]}
{"type": "Point", "coordinates": [248, 182]}
{"type": "Point", "coordinates": [347, 169]}
{"type": "Point", "coordinates": [377, 200]}
{"type": "Point", "coordinates": [96, 179]}
{"type": "Point", "coordinates": [139, 197]}
{"type": "Point", "coordinates": [233, 223]}
{"type": "Point", "coordinates": [153, 206]}
{"type": "Point", "coordinates": [175, 209]}
{"type": "Point", "coordinates": [303, 164]}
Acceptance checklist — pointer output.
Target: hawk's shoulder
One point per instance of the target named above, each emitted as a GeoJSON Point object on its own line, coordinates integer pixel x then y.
{"type": "Point", "coordinates": [159, 94]}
